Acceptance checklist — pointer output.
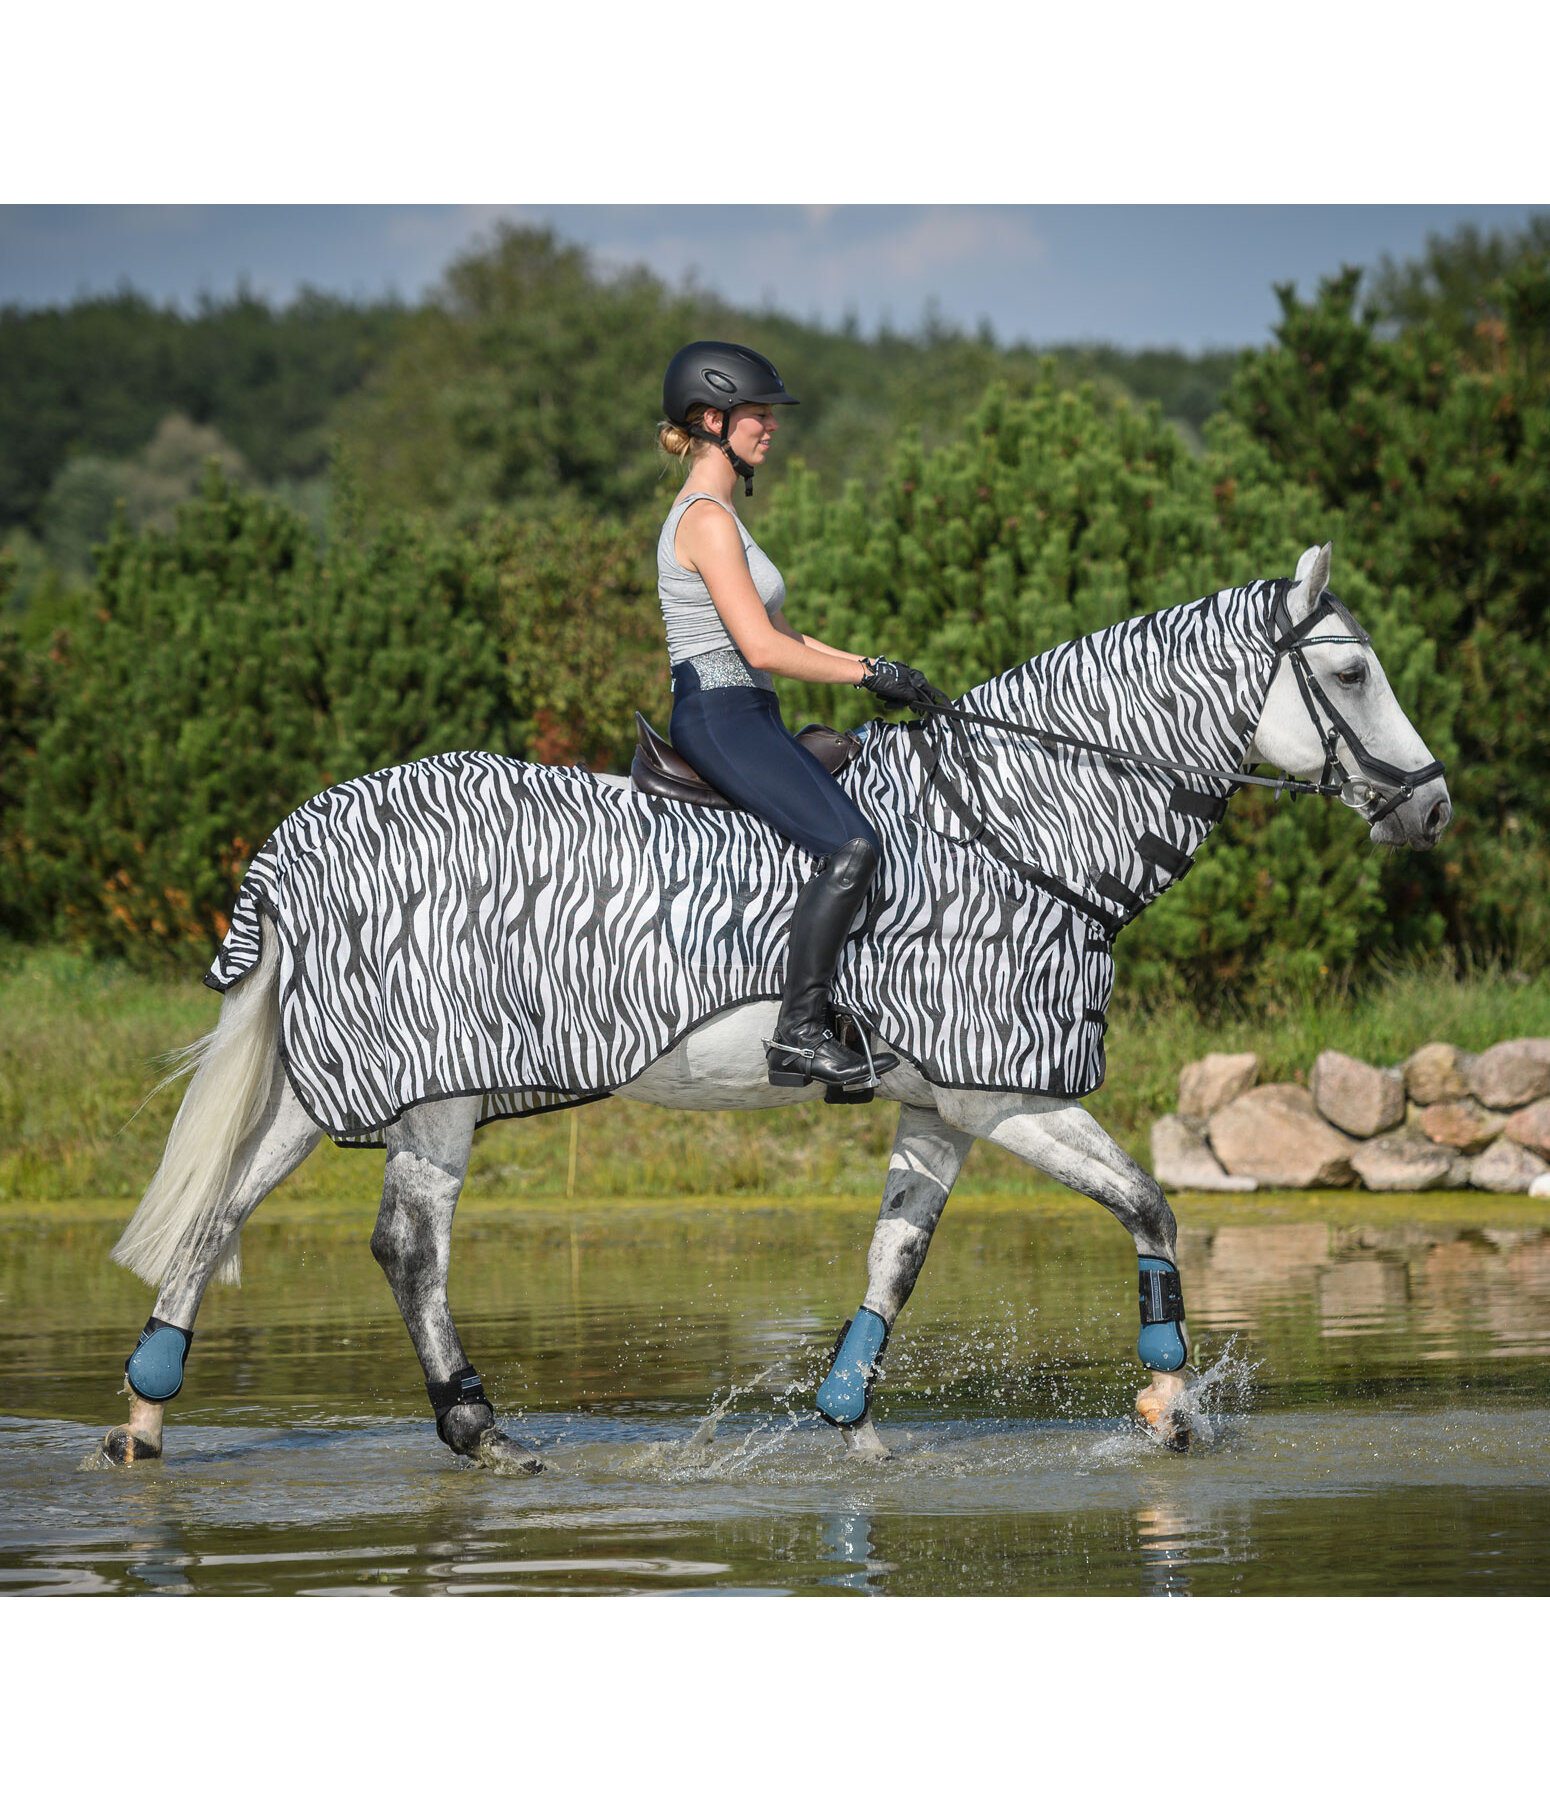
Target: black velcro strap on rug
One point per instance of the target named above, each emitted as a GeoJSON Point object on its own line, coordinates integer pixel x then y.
{"type": "Point", "coordinates": [1114, 889]}
{"type": "Point", "coordinates": [462, 1388]}
{"type": "Point", "coordinates": [1153, 849]}
{"type": "Point", "coordinates": [1196, 805]}
{"type": "Point", "coordinates": [1162, 1297]}
{"type": "Point", "coordinates": [1094, 1015]}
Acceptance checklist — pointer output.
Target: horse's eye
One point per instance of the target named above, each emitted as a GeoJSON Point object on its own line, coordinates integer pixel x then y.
{"type": "Point", "coordinates": [1352, 677]}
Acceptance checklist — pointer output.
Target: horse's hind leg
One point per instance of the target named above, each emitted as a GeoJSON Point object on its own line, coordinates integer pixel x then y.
{"type": "Point", "coordinates": [281, 1141]}
{"type": "Point", "coordinates": [1062, 1140]}
{"type": "Point", "coordinates": [426, 1162]}
{"type": "Point", "coordinates": [927, 1156]}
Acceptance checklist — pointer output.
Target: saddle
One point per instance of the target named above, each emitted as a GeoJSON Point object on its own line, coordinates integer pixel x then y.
{"type": "Point", "coordinates": [660, 771]}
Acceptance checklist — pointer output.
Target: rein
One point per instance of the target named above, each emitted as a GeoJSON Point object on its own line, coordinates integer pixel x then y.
{"type": "Point", "coordinates": [1382, 780]}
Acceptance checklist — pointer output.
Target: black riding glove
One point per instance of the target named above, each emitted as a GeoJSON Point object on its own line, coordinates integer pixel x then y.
{"type": "Point", "coordinates": [897, 684]}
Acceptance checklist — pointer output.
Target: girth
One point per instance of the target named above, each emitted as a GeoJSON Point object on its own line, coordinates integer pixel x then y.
{"type": "Point", "coordinates": [658, 769]}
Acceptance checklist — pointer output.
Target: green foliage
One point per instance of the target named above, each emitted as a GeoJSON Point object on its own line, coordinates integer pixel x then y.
{"type": "Point", "coordinates": [1427, 454]}
{"type": "Point", "coordinates": [77, 511]}
{"type": "Point", "coordinates": [528, 378]}
{"type": "Point", "coordinates": [227, 671]}
{"type": "Point", "coordinates": [582, 633]}
{"type": "Point", "coordinates": [99, 377]}
{"type": "Point", "coordinates": [23, 713]}
{"type": "Point", "coordinates": [1451, 288]}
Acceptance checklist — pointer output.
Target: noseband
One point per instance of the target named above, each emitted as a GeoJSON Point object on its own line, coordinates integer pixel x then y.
{"type": "Point", "coordinates": [1381, 780]}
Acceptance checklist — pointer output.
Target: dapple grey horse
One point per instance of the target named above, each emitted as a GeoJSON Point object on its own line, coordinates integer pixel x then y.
{"type": "Point", "coordinates": [241, 1129]}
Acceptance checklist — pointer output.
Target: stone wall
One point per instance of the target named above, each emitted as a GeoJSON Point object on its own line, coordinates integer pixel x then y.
{"type": "Point", "coordinates": [1441, 1119]}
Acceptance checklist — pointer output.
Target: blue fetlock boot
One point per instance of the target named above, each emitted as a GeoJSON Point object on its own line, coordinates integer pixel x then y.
{"type": "Point", "coordinates": [847, 1388]}
{"type": "Point", "coordinates": [154, 1367]}
{"type": "Point", "coordinates": [1161, 1345]}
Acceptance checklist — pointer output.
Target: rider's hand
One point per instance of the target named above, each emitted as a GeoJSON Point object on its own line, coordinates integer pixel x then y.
{"type": "Point", "coordinates": [897, 684]}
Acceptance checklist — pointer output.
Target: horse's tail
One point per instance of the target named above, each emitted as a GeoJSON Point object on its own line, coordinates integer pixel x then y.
{"type": "Point", "coordinates": [233, 1071]}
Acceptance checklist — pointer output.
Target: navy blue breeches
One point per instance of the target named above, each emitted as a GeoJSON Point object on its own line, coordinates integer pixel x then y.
{"type": "Point", "coordinates": [735, 738]}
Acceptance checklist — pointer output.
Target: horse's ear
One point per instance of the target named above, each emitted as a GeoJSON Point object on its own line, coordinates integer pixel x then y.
{"type": "Point", "coordinates": [1311, 580]}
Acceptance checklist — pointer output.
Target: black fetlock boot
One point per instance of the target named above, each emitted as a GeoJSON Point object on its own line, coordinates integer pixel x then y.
{"type": "Point", "coordinates": [804, 1047]}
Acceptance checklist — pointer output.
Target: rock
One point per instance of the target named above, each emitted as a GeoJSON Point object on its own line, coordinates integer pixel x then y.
{"type": "Point", "coordinates": [1214, 1082]}
{"type": "Point", "coordinates": [1181, 1158]}
{"type": "Point", "coordinates": [1507, 1168]}
{"type": "Point", "coordinates": [1353, 1095]}
{"type": "Point", "coordinates": [1437, 1072]}
{"type": "Point", "coordinates": [1402, 1162]}
{"type": "Point", "coordinates": [1458, 1172]}
{"type": "Point", "coordinates": [1531, 1127]}
{"type": "Point", "coordinates": [1512, 1074]}
{"type": "Point", "coordinates": [1539, 1187]}
{"type": "Point", "coordinates": [1276, 1135]}
{"type": "Point", "coordinates": [1464, 1124]}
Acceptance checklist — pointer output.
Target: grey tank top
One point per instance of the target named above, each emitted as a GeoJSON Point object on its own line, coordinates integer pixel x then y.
{"type": "Point", "coordinates": [694, 627]}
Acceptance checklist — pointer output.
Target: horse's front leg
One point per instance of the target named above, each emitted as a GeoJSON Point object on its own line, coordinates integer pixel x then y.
{"type": "Point", "coordinates": [927, 1155]}
{"type": "Point", "coordinates": [1060, 1139]}
{"type": "Point", "coordinates": [426, 1162]}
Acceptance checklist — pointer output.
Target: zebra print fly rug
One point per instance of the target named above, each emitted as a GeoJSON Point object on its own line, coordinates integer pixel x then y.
{"type": "Point", "coordinates": [471, 924]}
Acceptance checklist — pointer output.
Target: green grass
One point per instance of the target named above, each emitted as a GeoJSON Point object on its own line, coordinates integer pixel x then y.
{"type": "Point", "coordinates": [79, 1039]}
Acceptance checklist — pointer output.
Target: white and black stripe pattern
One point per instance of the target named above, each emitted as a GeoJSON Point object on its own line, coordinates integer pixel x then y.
{"type": "Point", "coordinates": [473, 924]}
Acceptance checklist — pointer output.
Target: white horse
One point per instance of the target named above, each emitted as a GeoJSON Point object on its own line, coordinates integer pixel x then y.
{"type": "Point", "coordinates": [241, 1128]}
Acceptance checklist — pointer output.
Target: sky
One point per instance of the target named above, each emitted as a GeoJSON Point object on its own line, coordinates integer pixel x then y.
{"type": "Point", "coordinates": [1186, 276]}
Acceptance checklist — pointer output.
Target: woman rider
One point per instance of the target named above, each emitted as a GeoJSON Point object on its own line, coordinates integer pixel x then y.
{"type": "Point", "coordinates": [726, 636]}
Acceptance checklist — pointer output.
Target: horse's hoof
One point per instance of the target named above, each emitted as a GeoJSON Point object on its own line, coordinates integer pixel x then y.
{"type": "Point", "coordinates": [507, 1455]}
{"type": "Point", "coordinates": [1160, 1408]}
{"type": "Point", "coordinates": [122, 1447]}
{"type": "Point", "coordinates": [863, 1443]}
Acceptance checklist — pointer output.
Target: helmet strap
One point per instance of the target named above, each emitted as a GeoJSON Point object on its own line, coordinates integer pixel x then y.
{"type": "Point", "coordinates": [745, 469]}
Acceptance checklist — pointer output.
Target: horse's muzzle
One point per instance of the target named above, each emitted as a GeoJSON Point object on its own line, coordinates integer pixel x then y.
{"type": "Point", "coordinates": [1420, 821]}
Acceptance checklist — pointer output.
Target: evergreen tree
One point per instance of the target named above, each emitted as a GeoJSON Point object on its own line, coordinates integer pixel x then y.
{"type": "Point", "coordinates": [227, 671]}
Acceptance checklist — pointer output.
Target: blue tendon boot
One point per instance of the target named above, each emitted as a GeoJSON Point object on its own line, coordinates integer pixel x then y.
{"type": "Point", "coordinates": [1162, 1345]}
{"type": "Point", "coordinates": [154, 1368]}
{"type": "Point", "coordinates": [846, 1391]}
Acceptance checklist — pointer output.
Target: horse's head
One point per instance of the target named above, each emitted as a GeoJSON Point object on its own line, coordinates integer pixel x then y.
{"type": "Point", "coordinates": [1330, 712]}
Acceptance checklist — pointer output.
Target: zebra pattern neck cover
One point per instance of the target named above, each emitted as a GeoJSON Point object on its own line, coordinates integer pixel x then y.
{"type": "Point", "coordinates": [469, 924]}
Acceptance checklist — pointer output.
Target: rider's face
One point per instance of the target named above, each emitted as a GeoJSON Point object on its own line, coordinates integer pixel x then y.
{"type": "Point", "coordinates": [751, 430]}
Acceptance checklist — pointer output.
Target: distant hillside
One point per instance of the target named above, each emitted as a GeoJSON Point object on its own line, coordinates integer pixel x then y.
{"type": "Point", "coordinates": [527, 376]}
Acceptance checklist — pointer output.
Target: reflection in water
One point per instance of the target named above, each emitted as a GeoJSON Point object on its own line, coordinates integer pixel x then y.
{"type": "Point", "coordinates": [1164, 1550]}
{"type": "Point", "coordinates": [1373, 1412]}
{"type": "Point", "coordinates": [847, 1538]}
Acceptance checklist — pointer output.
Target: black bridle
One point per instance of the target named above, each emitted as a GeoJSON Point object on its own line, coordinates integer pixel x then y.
{"type": "Point", "coordinates": [1394, 786]}
{"type": "Point", "coordinates": [1378, 780]}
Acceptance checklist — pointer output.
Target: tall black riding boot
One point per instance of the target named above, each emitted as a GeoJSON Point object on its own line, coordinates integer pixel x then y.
{"type": "Point", "coordinates": [804, 1047]}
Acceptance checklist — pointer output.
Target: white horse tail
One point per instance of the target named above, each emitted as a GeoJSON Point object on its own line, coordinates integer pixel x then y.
{"type": "Point", "coordinates": [233, 1069]}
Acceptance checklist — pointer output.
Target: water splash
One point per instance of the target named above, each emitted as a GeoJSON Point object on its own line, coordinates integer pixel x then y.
{"type": "Point", "coordinates": [1219, 1392]}
{"type": "Point", "coordinates": [705, 1435]}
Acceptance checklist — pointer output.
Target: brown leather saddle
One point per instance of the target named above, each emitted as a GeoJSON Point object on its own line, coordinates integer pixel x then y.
{"type": "Point", "coordinates": [660, 771]}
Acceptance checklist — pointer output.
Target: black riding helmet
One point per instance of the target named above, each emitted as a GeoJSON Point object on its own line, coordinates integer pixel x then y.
{"type": "Point", "coordinates": [723, 376]}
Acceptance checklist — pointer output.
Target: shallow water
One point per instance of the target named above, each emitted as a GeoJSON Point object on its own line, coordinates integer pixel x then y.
{"type": "Point", "coordinates": [1373, 1417]}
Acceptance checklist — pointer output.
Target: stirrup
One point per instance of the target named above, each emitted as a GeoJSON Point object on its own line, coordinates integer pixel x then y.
{"type": "Point", "coordinates": [792, 1078]}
